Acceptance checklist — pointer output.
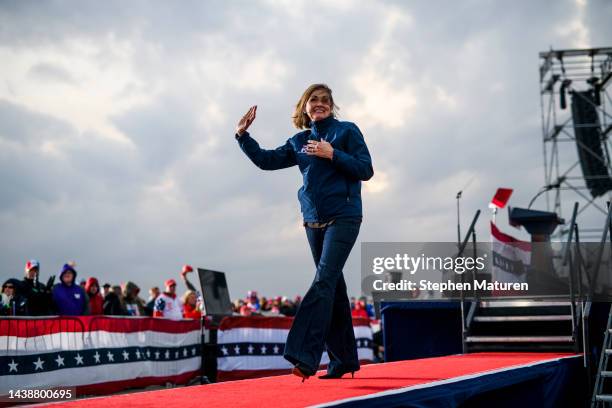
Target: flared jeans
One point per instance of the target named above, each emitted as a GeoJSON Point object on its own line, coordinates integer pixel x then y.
{"type": "Point", "coordinates": [323, 319]}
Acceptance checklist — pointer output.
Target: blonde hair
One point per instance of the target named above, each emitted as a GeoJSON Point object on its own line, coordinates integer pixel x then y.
{"type": "Point", "coordinates": [186, 296]}
{"type": "Point", "coordinates": [300, 119]}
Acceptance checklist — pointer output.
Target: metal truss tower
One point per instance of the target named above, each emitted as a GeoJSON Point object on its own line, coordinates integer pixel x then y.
{"type": "Point", "coordinates": [564, 76]}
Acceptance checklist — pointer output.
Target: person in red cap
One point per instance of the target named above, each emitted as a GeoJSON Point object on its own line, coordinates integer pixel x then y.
{"type": "Point", "coordinates": [168, 305]}
{"type": "Point", "coordinates": [37, 295]}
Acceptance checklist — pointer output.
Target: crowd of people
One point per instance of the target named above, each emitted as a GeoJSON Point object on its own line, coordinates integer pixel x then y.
{"type": "Point", "coordinates": [281, 305]}
{"type": "Point", "coordinates": [72, 297]}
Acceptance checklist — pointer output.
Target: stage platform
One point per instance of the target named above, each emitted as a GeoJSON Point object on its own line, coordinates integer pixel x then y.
{"type": "Point", "coordinates": [470, 380]}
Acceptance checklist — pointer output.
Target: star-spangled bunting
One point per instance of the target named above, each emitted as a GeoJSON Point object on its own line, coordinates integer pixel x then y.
{"type": "Point", "coordinates": [48, 362]}
{"type": "Point", "coordinates": [266, 349]}
{"type": "Point", "coordinates": [38, 364]}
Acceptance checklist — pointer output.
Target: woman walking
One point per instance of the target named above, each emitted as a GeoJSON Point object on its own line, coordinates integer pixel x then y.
{"type": "Point", "coordinates": [333, 159]}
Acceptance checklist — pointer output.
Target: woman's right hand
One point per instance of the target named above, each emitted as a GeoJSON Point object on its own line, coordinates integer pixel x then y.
{"type": "Point", "coordinates": [246, 121]}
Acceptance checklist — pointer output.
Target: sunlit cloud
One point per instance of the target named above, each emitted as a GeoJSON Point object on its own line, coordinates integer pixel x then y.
{"type": "Point", "coordinates": [117, 127]}
{"type": "Point", "coordinates": [384, 99]}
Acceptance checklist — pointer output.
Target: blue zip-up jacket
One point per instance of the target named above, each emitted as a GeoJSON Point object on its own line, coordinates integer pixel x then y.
{"type": "Point", "coordinates": [69, 300]}
{"type": "Point", "coordinates": [332, 188]}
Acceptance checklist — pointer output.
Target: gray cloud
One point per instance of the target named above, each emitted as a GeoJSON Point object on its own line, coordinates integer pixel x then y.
{"type": "Point", "coordinates": [24, 126]}
{"type": "Point", "coordinates": [451, 94]}
{"type": "Point", "coordinates": [50, 72]}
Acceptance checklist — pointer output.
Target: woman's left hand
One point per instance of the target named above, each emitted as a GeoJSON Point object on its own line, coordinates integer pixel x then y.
{"type": "Point", "coordinates": [320, 149]}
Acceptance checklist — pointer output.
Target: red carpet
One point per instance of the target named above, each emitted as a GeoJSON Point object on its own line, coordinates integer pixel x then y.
{"type": "Point", "coordinates": [288, 391]}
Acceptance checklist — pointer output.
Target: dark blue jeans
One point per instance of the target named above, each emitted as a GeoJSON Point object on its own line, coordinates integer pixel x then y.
{"type": "Point", "coordinates": [323, 319]}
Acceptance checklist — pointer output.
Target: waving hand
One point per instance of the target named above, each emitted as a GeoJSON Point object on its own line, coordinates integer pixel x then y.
{"type": "Point", "coordinates": [246, 120]}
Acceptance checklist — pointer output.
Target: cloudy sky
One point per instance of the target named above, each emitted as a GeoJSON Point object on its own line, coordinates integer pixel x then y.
{"type": "Point", "coordinates": [117, 119]}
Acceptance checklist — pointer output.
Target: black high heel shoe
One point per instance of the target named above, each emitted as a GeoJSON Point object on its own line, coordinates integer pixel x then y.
{"type": "Point", "coordinates": [300, 372]}
{"type": "Point", "coordinates": [337, 374]}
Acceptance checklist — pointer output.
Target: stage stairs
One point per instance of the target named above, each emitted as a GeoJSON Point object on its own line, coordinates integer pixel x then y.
{"type": "Point", "coordinates": [522, 325]}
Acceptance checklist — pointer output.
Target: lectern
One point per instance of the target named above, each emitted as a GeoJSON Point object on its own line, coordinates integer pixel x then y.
{"type": "Point", "coordinates": [542, 278]}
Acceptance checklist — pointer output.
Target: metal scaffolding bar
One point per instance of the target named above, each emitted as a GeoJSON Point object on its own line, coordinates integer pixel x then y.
{"type": "Point", "coordinates": [563, 72]}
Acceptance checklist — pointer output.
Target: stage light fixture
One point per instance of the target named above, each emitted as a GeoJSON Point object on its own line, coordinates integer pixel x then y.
{"type": "Point", "coordinates": [562, 93]}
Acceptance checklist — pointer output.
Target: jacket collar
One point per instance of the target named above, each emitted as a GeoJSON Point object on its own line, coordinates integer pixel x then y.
{"type": "Point", "coordinates": [320, 127]}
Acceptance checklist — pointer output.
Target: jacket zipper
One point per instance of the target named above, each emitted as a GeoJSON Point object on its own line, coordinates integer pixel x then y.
{"type": "Point", "coordinates": [348, 191]}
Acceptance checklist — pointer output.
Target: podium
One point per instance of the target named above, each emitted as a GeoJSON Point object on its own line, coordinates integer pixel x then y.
{"type": "Point", "coordinates": [542, 277]}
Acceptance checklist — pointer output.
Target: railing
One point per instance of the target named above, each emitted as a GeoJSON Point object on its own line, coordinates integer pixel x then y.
{"type": "Point", "coordinates": [97, 354]}
{"type": "Point", "coordinates": [607, 229]}
{"type": "Point", "coordinates": [607, 232]}
{"type": "Point", "coordinates": [466, 322]}
{"type": "Point", "coordinates": [576, 266]}
{"type": "Point", "coordinates": [40, 333]}
{"type": "Point", "coordinates": [574, 236]}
